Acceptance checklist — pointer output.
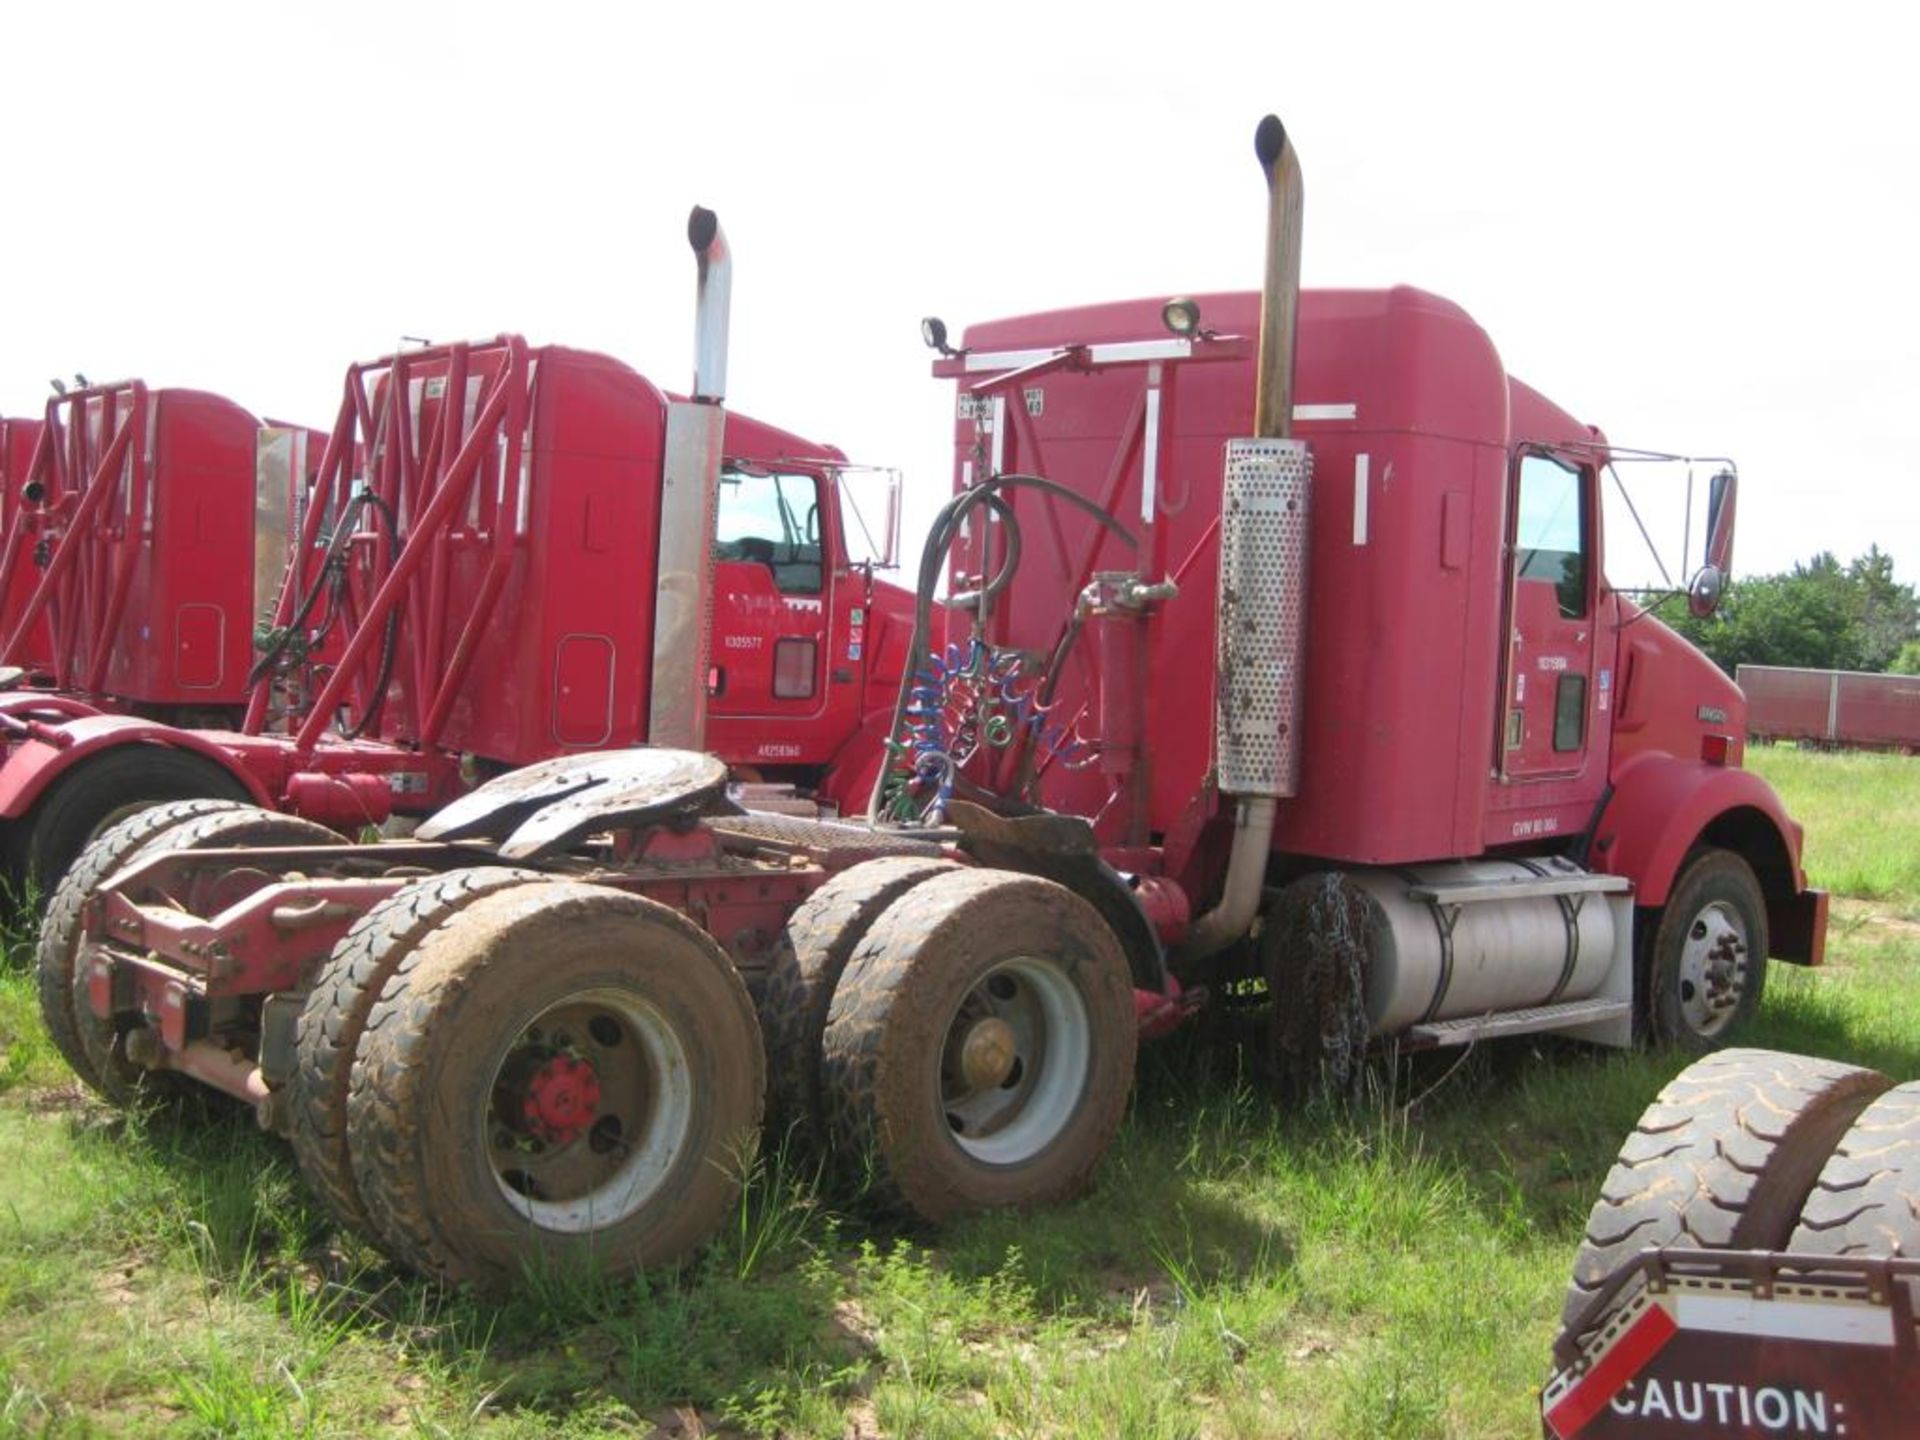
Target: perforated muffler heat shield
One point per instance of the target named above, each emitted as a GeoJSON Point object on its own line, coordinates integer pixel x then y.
{"type": "Point", "coordinates": [1262, 617]}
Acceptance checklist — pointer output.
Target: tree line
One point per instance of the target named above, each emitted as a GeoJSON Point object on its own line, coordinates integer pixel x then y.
{"type": "Point", "coordinates": [1822, 614]}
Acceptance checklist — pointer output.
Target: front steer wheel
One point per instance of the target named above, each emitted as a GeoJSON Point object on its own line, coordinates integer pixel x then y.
{"type": "Point", "coordinates": [1709, 954]}
{"type": "Point", "coordinates": [980, 1046]}
{"type": "Point", "coordinates": [563, 1074]}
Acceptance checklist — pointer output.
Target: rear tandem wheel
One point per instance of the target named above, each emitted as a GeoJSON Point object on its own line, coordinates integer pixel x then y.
{"type": "Point", "coordinates": [103, 790]}
{"type": "Point", "coordinates": [814, 949]}
{"type": "Point", "coordinates": [364, 964]}
{"type": "Point", "coordinates": [980, 1047]}
{"type": "Point", "coordinates": [59, 942]}
{"type": "Point", "coordinates": [562, 1073]}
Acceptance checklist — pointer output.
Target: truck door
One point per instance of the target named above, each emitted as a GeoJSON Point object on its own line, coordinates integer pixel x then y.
{"type": "Point", "coordinates": [771, 601]}
{"type": "Point", "coordinates": [1549, 682]}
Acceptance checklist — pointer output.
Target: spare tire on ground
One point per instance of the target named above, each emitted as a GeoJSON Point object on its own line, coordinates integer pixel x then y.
{"type": "Point", "coordinates": [1722, 1159]}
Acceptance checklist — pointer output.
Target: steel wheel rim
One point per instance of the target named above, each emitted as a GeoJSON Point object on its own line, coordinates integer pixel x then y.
{"type": "Point", "coordinates": [1713, 968]}
{"type": "Point", "coordinates": [1008, 1116]}
{"type": "Point", "coordinates": [630, 1141]}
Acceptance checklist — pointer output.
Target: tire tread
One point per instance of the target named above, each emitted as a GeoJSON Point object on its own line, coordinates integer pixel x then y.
{"type": "Point", "coordinates": [887, 968]}
{"type": "Point", "coordinates": [1867, 1199]}
{"type": "Point", "coordinates": [335, 1015]}
{"type": "Point", "coordinates": [814, 949]}
{"type": "Point", "coordinates": [1722, 1159]}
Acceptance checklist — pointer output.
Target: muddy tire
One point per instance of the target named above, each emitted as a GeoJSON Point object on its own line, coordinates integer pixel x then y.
{"type": "Point", "coordinates": [65, 1011]}
{"type": "Point", "coordinates": [1723, 1158]}
{"type": "Point", "coordinates": [100, 792]}
{"type": "Point", "coordinates": [1867, 1199]}
{"type": "Point", "coordinates": [335, 1013]}
{"type": "Point", "coordinates": [793, 1004]}
{"type": "Point", "coordinates": [980, 1046]}
{"type": "Point", "coordinates": [1708, 959]}
{"type": "Point", "coordinates": [560, 1074]}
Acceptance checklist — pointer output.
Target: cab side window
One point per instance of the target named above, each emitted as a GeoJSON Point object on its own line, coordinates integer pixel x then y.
{"type": "Point", "coordinates": [771, 520]}
{"type": "Point", "coordinates": [1550, 532]}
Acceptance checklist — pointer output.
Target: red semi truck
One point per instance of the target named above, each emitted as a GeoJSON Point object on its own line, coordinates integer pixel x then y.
{"type": "Point", "coordinates": [1374, 675]}
{"type": "Point", "coordinates": [1351, 728]}
{"type": "Point", "coordinates": [474, 590]}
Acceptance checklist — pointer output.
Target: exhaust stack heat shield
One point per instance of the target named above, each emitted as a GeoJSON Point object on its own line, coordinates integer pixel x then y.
{"type": "Point", "coordinates": [1262, 615]}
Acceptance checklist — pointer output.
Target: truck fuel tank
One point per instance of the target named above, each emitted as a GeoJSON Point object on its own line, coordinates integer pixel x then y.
{"type": "Point", "coordinates": [1449, 941]}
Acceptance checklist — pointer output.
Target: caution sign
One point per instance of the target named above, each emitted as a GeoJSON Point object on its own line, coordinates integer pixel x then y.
{"type": "Point", "coordinates": [1757, 1346]}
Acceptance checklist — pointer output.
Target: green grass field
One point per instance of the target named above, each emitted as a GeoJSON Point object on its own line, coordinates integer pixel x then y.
{"type": "Point", "coordinates": [1392, 1268]}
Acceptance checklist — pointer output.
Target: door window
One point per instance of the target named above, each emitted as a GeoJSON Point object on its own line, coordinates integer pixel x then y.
{"type": "Point", "coordinates": [772, 520]}
{"type": "Point", "coordinates": [1550, 534]}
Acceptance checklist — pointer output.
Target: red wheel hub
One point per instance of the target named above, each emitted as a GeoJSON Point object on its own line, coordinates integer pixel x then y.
{"type": "Point", "coordinates": [561, 1099]}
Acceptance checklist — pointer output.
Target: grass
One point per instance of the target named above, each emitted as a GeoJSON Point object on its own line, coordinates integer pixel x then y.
{"type": "Point", "coordinates": [1856, 807]}
{"type": "Point", "coordinates": [1371, 1269]}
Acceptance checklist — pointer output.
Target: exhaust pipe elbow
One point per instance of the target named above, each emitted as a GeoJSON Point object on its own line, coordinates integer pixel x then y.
{"type": "Point", "coordinates": [712, 306]}
{"type": "Point", "coordinates": [1240, 895]}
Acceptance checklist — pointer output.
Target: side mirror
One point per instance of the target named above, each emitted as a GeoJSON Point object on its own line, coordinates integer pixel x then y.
{"type": "Point", "coordinates": [1709, 583]}
{"type": "Point", "coordinates": [1722, 496]}
{"type": "Point", "coordinates": [891, 542]}
{"type": "Point", "coordinates": [883, 546]}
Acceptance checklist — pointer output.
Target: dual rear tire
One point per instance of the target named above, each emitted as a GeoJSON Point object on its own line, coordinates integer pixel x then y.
{"type": "Point", "coordinates": [101, 792]}
{"type": "Point", "coordinates": [541, 1072]}
{"type": "Point", "coordinates": [966, 1040]}
{"type": "Point", "coordinates": [565, 1076]}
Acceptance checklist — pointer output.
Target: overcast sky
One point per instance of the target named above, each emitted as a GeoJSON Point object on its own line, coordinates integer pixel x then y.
{"type": "Point", "coordinates": [1691, 224]}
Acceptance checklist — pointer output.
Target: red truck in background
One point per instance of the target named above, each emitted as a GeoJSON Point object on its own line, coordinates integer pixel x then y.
{"type": "Point", "coordinates": [1849, 708]}
{"type": "Point", "coordinates": [129, 565]}
{"type": "Point", "coordinates": [474, 586]}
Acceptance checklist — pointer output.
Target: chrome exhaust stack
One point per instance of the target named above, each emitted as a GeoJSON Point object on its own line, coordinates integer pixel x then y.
{"type": "Point", "coordinates": [1263, 559]}
{"type": "Point", "coordinates": [689, 494]}
{"type": "Point", "coordinates": [713, 305]}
